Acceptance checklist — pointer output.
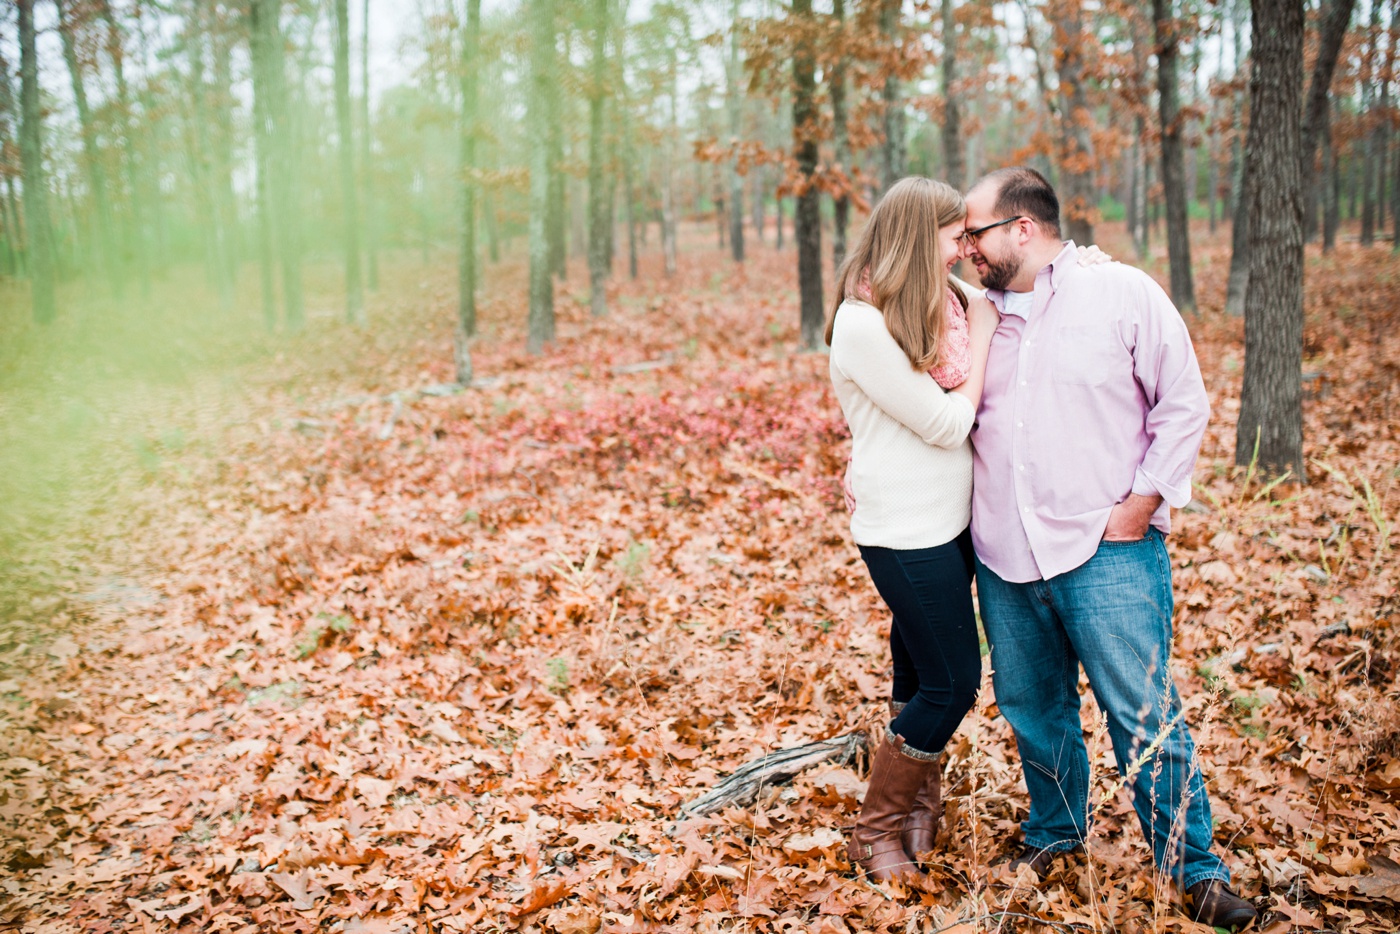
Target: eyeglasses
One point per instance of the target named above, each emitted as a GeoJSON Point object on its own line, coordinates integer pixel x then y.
{"type": "Point", "coordinates": [970, 237]}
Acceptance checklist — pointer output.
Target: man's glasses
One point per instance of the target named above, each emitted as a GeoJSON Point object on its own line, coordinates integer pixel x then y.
{"type": "Point", "coordinates": [970, 237]}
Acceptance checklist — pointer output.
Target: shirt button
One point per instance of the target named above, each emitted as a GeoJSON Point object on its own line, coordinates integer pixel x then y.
{"type": "Point", "coordinates": [1023, 382]}
{"type": "Point", "coordinates": [1025, 509]}
{"type": "Point", "coordinates": [1021, 467]}
{"type": "Point", "coordinates": [1020, 424]}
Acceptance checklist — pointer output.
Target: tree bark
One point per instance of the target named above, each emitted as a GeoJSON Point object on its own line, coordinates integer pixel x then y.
{"type": "Point", "coordinates": [366, 165]}
{"type": "Point", "coordinates": [1336, 18]}
{"type": "Point", "coordinates": [599, 225]}
{"type": "Point", "coordinates": [354, 285]}
{"type": "Point", "coordinates": [9, 123]}
{"type": "Point", "coordinates": [467, 276]}
{"type": "Point", "coordinates": [1328, 187]}
{"type": "Point", "coordinates": [1174, 189]}
{"type": "Point", "coordinates": [1371, 118]}
{"type": "Point", "coordinates": [668, 182]}
{"type": "Point", "coordinates": [953, 168]}
{"type": "Point", "coordinates": [734, 105]}
{"type": "Point", "coordinates": [808, 229]}
{"type": "Point", "coordinates": [841, 139]}
{"type": "Point", "coordinates": [1270, 427]}
{"type": "Point", "coordinates": [893, 150]}
{"type": "Point", "coordinates": [281, 189]}
{"type": "Point", "coordinates": [539, 114]}
{"type": "Point", "coordinates": [105, 242]}
{"type": "Point", "coordinates": [36, 186]}
{"type": "Point", "coordinates": [1076, 122]}
{"type": "Point", "coordinates": [1239, 224]}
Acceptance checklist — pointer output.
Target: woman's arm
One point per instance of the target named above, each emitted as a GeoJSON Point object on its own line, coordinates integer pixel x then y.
{"type": "Point", "coordinates": [865, 353]}
{"type": "Point", "coordinates": [982, 320]}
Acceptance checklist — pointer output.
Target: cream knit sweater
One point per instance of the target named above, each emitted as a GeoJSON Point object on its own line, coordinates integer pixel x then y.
{"type": "Point", "coordinates": [911, 463]}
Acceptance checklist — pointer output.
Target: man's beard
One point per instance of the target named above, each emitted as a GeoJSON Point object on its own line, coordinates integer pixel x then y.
{"type": "Point", "coordinates": [998, 274]}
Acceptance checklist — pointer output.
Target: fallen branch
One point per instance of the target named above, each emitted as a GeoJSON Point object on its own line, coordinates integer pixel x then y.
{"type": "Point", "coordinates": [742, 788]}
{"type": "Point", "coordinates": [665, 360]}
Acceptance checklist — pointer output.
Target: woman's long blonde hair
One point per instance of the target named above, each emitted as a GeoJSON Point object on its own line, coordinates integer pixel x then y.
{"type": "Point", "coordinates": [908, 279]}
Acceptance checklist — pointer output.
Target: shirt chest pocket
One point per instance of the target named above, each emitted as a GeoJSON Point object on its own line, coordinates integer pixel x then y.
{"type": "Point", "coordinates": [1086, 355]}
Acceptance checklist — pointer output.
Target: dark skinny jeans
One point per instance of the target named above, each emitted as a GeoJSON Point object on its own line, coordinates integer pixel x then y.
{"type": "Point", "coordinates": [933, 637]}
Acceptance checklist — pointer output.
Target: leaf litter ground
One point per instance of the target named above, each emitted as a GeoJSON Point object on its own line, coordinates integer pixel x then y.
{"type": "Point", "coordinates": [362, 657]}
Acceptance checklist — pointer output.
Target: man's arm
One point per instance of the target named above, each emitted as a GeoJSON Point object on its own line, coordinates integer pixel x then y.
{"type": "Point", "coordinates": [1165, 366]}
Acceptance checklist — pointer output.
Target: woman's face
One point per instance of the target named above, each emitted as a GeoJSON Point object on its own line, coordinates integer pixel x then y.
{"type": "Point", "coordinates": [950, 243]}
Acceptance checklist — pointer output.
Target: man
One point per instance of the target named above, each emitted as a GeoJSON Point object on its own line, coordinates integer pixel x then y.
{"type": "Point", "coordinates": [1088, 430]}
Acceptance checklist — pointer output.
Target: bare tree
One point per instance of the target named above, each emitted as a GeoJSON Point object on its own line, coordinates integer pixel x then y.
{"type": "Point", "coordinates": [599, 222]}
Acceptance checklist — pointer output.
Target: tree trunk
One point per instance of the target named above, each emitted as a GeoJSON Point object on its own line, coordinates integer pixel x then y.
{"type": "Point", "coordinates": [556, 217]}
{"type": "Point", "coordinates": [135, 235]}
{"type": "Point", "coordinates": [104, 241]}
{"type": "Point", "coordinates": [354, 286]}
{"type": "Point", "coordinates": [1328, 188]}
{"type": "Point", "coordinates": [262, 140]}
{"type": "Point", "coordinates": [734, 104]}
{"type": "Point", "coordinates": [841, 140]}
{"type": "Point", "coordinates": [892, 152]}
{"type": "Point", "coordinates": [1371, 116]}
{"type": "Point", "coordinates": [466, 255]}
{"type": "Point", "coordinates": [1076, 123]}
{"type": "Point", "coordinates": [36, 186]}
{"type": "Point", "coordinates": [953, 169]}
{"type": "Point", "coordinates": [668, 183]}
{"type": "Point", "coordinates": [1239, 224]}
{"type": "Point", "coordinates": [539, 114]}
{"type": "Point", "coordinates": [1174, 189]}
{"type": "Point", "coordinates": [1270, 428]}
{"type": "Point", "coordinates": [366, 165]}
{"type": "Point", "coordinates": [282, 191]}
{"type": "Point", "coordinates": [9, 122]}
{"type": "Point", "coordinates": [808, 227]}
{"type": "Point", "coordinates": [599, 226]}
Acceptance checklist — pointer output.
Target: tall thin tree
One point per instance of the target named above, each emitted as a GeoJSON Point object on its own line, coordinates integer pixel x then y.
{"type": "Point", "coordinates": [734, 108]}
{"type": "Point", "coordinates": [1174, 187]}
{"type": "Point", "coordinates": [538, 115]}
{"type": "Point", "coordinates": [1270, 426]}
{"type": "Point", "coordinates": [36, 186]}
{"type": "Point", "coordinates": [599, 222]}
{"type": "Point", "coordinates": [807, 229]}
{"type": "Point", "coordinates": [354, 286]}
{"type": "Point", "coordinates": [840, 134]}
{"type": "Point", "coordinates": [366, 166]}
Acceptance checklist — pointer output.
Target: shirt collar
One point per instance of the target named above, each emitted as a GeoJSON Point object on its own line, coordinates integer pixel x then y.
{"type": "Point", "coordinates": [1064, 261]}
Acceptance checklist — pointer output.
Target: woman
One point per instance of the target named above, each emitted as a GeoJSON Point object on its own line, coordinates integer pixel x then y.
{"type": "Point", "coordinates": [898, 316]}
{"type": "Point", "coordinates": [908, 358]}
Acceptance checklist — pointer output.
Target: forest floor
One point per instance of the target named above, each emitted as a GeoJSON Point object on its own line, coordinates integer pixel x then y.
{"type": "Point", "coordinates": [293, 642]}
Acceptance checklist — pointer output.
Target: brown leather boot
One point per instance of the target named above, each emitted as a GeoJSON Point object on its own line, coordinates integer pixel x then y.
{"type": "Point", "coordinates": [896, 777]}
{"type": "Point", "coordinates": [921, 824]}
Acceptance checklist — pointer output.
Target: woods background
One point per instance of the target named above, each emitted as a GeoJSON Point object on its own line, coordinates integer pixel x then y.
{"type": "Point", "coordinates": [413, 486]}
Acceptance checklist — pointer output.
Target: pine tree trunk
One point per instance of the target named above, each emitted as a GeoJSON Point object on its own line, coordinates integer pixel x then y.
{"type": "Point", "coordinates": [354, 286]}
{"type": "Point", "coordinates": [808, 227]}
{"type": "Point", "coordinates": [1174, 189]}
{"type": "Point", "coordinates": [1271, 404]}
{"type": "Point", "coordinates": [1328, 187]}
{"type": "Point", "coordinates": [1371, 117]}
{"type": "Point", "coordinates": [539, 114]}
{"type": "Point", "coordinates": [599, 226]}
{"type": "Point", "coordinates": [36, 186]}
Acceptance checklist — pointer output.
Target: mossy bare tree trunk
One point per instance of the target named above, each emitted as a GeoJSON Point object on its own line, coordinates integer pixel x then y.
{"type": "Point", "coordinates": [1174, 187]}
{"type": "Point", "coordinates": [1270, 424]}
{"type": "Point", "coordinates": [808, 226]}
{"type": "Point", "coordinates": [345, 129]}
{"type": "Point", "coordinates": [103, 239]}
{"type": "Point", "coordinates": [36, 186]}
{"type": "Point", "coordinates": [539, 112]}
{"type": "Point", "coordinates": [599, 223]}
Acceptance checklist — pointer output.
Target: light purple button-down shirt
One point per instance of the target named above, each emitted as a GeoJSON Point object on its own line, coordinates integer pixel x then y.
{"type": "Point", "coordinates": [1095, 395]}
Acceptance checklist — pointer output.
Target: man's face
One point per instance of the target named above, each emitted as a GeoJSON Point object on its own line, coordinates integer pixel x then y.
{"type": "Point", "coordinates": [996, 254]}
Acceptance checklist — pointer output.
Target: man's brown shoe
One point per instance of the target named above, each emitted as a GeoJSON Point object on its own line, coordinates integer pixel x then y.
{"type": "Point", "coordinates": [1039, 860]}
{"type": "Point", "coordinates": [1211, 902]}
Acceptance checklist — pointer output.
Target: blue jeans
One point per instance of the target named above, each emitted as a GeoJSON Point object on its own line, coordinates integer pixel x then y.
{"type": "Point", "coordinates": [1113, 614]}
